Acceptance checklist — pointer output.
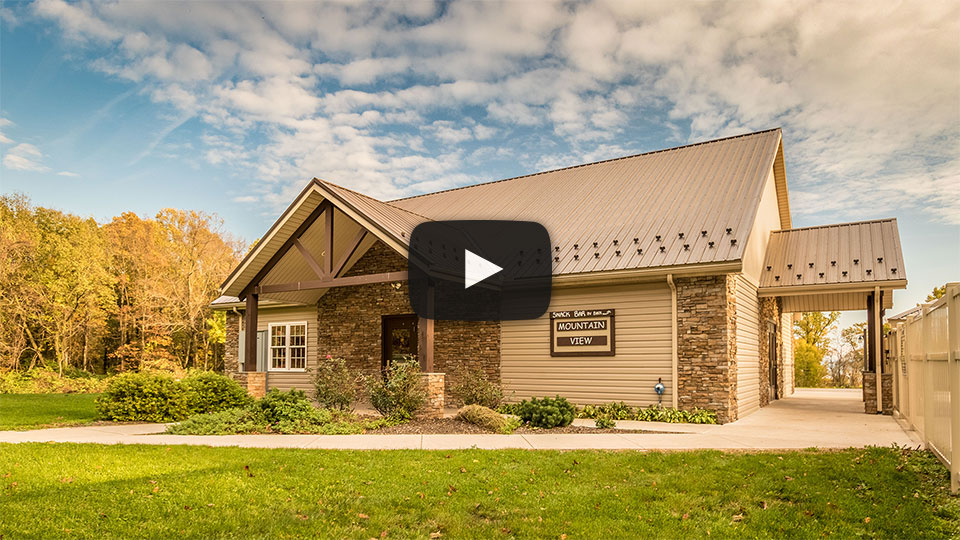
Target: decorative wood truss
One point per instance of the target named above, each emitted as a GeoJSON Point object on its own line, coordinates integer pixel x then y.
{"type": "Point", "coordinates": [328, 274]}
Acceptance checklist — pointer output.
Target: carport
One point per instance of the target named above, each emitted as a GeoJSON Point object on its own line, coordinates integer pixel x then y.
{"type": "Point", "coordinates": [843, 267]}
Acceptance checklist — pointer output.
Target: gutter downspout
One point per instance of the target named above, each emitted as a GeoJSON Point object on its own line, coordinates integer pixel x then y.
{"type": "Point", "coordinates": [673, 340]}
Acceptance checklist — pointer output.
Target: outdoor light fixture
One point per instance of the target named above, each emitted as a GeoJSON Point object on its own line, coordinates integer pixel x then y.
{"type": "Point", "coordinates": [659, 388]}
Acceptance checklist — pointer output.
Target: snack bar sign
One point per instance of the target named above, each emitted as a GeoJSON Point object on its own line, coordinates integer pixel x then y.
{"type": "Point", "coordinates": [585, 332]}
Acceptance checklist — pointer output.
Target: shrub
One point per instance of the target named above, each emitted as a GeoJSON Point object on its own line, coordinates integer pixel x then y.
{"type": "Point", "coordinates": [290, 409]}
{"type": "Point", "coordinates": [335, 383]}
{"type": "Point", "coordinates": [211, 392]}
{"type": "Point", "coordinates": [605, 422]}
{"type": "Point", "coordinates": [486, 418]}
{"type": "Point", "coordinates": [145, 397]}
{"type": "Point", "coordinates": [509, 408]}
{"type": "Point", "coordinates": [475, 388]}
{"type": "Point", "coordinates": [674, 416]}
{"type": "Point", "coordinates": [613, 410]}
{"type": "Point", "coordinates": [228, 422]}
{"type": "Point", "coordinates": [400, 392]}
{"type": "Point", "coordinates": [547, 412]}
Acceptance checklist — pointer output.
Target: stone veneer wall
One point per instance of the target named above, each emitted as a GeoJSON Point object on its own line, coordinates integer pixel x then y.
{"type": "Point", "coordinates": [349, 324]}
{"type": "Point", "coordinates": [870, 392]}
{"type": "Point", "coordinates": [706, 345]}
{"type": "Point", "coordinates": [231, 352]}
{"type": "Point", "coordinates": [770, 313]}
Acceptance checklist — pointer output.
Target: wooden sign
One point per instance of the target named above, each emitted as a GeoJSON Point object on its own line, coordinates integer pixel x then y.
{"type": "Point", "coordinates": [584, 332]}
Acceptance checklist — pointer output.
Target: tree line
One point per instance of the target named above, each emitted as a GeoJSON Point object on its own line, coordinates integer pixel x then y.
{"type": "Point", "coordinates": [133, 293]}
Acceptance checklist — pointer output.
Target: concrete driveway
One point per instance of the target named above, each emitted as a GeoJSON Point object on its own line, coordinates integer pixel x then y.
{"type": "Point", "coordinates": [821, 418]}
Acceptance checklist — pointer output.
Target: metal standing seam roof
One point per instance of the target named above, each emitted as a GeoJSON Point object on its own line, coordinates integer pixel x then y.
{"type": "Point", "coordinates": [686, 205]}
{"type": "Point", "coordinates": [846, 253]}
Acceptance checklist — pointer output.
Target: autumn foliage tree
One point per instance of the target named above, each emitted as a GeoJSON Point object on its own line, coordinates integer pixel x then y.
{"type": "Point", "coordinates": [133, 293]}
{"type": "Point", "coordinates": [812, 342]}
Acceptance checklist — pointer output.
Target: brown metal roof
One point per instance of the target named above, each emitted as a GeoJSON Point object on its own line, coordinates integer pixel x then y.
{"type": "Point", "coordinates": [623, 205]}
{"type": "Point", "coordinates": [864, 252]}
{"type": "Point", "coordinates": [686, 205]}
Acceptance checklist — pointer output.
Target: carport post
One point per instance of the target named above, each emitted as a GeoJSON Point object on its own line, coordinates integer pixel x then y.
{"type": "Point", "coordinates": [878, 346]}
{"type": "Point", "coordinates": [250, 338]}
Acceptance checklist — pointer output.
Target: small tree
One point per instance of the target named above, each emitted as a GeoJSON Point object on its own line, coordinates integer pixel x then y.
{"type": "Point", "coordinates": [473, 387]}
{"type": "Point", "coordinates": [335, 383]}
{"type": "Point", "coordinates": [937, 293]}
{"type": "Point", "coordinates": [808, 369]}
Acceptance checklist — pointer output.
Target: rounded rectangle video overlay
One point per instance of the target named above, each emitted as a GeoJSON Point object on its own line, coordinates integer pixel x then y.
{"type": "Point", "coordinates": [479, 270]}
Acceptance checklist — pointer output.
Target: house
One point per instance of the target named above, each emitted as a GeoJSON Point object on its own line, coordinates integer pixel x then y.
{"type": "Point", "coordinates": [690, 251]}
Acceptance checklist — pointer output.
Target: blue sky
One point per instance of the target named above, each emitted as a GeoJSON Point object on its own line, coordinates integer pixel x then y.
{"type": "Point", "coordinates": [230, 108]}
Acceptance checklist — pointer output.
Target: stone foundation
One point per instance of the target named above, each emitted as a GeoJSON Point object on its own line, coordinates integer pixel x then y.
{"type": "Point", "coordinates": [706, 345]}
{"type": "Point", "coordinates": [870, 393]}
{"type": "Point", "coordinates": [256, 383]}
{"type": "Point", "coordinates": [435, 392]}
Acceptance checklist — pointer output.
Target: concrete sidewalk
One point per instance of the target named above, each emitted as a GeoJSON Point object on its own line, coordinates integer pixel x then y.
{"type": "Point", "coordinates": [809, 418]}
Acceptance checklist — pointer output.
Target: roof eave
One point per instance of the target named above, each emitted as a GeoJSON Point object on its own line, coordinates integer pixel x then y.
{"type": "Point", "coordinates": [821, 288]}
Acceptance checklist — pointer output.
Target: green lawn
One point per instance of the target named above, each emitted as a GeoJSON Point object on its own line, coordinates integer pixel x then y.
{"type": "Point", "coordinates": [72, 490]}
{"type": "Point", "coordinates": [34, 411]}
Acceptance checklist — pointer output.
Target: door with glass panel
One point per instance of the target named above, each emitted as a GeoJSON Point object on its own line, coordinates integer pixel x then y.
{"type": "Point", "coordinates": [399, 338]}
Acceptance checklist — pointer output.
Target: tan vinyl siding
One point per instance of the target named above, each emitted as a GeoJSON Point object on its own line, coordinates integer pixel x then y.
{"type": "Point", "coordinates": [768, 220]}
{"type": "Point", "coordinates": [748, 347]}
{"type": "Point", "coordinates": [786, 328]}
{"type": "Point", "coordinates": [286, 380]}
{"type": "Point", "coordinates": [643, 349]}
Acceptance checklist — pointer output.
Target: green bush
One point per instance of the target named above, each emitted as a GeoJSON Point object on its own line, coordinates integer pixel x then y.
{"type": "Point", "coordinates": [486, 418]}
{"type": "Point", "coordinates": [211, 392]}
{"type": "Point", "coordinates": [674, 416]}
{"type": "Point", "coordinates": [614, 411]}
{"type": "Point", "coordinates": [290, 411]}
{"type": "Point", "coordinates": [228, 422]}
{"type": "Point", "coordinates": [400, 392]}
{"type": "Point", "coordinates": [45, 381]}
{"type": "Point", "coordinates": [473, 387]}
{"type": "Point", "coordinates": [605, 422]}
{"type": "Point", "coordinates": [146, 398]}
{"type": "Point", "coordinates": [335, 383]}
{"type": "Point", "coordinates": [509, 408]}
{"type": "Point", "coordinates": [547, 412]}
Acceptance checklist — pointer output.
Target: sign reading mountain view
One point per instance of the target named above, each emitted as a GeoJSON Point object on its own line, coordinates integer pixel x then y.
{"type": "Point", "coordinates": [584, 332]}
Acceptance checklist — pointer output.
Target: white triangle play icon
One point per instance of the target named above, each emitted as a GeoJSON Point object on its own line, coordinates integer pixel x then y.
{"type": "Point", "coordinates": [476, 269]}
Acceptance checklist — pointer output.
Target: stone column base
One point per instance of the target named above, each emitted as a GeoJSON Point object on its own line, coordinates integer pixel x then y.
{"type": "Point", "coordinates": [256, 383]}
{"type": "Point", "coordinates": [433, 408]}
{"type": "Point", "coordinates": [870, 392]}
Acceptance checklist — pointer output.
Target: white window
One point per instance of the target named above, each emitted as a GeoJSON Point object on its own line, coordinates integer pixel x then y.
{"type": "Point", "coordinates": [288, 346]}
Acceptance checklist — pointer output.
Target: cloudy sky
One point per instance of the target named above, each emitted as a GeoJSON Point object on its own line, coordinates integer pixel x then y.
{"type": "Point", "coordinates": [230, 108]}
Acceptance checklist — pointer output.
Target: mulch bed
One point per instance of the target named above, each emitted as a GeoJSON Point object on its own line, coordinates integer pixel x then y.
{"type": "Point", "coordinates": [453, 426]}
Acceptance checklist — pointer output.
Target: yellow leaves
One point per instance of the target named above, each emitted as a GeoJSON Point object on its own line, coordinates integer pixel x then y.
{"type": "Point", "coordinates": [738, 518]}
{"type": "Point", "coordinates": [436, 534]}
{"type": "Point", "coordinates": [363, 516]}
{"type": "Point", "coordinates": [463, 470]}
{"type": "Point", "coordinates": [866, 520]}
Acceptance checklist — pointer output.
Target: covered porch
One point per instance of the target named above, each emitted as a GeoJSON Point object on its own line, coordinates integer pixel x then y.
{"type": "Point", "coordinates": [843, 267]}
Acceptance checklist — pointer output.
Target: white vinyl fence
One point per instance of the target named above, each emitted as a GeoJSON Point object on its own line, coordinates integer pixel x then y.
{"type": "Point", "coordinates": [925, 352]}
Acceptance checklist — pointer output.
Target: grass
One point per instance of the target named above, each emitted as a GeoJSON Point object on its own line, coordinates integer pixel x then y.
{"type": "Point", "coordinates": [93, 491]}
{"type": "Point", "coordinates": [35, 411]}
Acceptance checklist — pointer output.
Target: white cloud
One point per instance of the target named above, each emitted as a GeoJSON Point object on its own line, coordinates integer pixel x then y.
{"type": "Point", "coordinates": [866, 92]}
{"type": "Point", "coordinates": [24, 157]}
{"type": "Point", "coordinates": [68, 173]}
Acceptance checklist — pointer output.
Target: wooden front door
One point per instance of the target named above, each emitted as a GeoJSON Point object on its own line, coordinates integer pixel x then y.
{"type": "Point", "coordinates": [399, 338]}
{"type": "Point", "coordinates": [772, 358]}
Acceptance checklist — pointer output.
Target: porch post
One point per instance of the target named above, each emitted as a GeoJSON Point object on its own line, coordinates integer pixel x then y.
{"type": "Point", "coordinates": [878, 345]}
{"type": "Point", "coordinates": [425, 329]}
{"type": "Point", "coordinates": [250, 338]}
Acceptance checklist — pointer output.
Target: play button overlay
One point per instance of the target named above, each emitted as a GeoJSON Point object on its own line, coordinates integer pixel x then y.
{"type": "Point", "coordinates": [476, 269]}
{"type": "Point", "coordinates": [482, 270]}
